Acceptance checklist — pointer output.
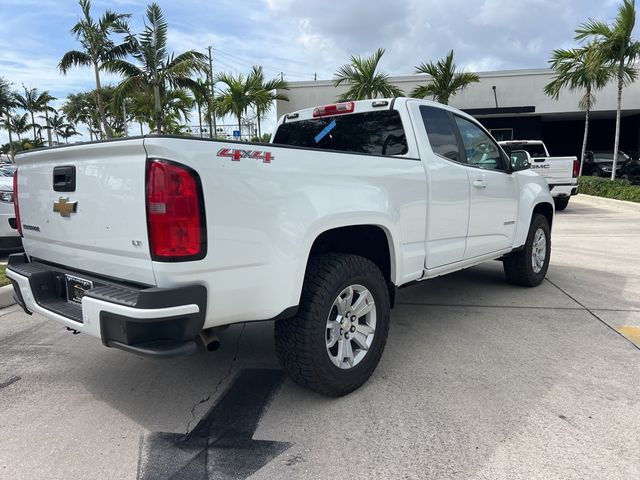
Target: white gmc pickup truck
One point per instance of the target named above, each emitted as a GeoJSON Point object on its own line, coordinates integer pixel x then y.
{"type": "Point", "coordinates": [148, 243]}
{"type": "Point", "coordinates": [561, 173]}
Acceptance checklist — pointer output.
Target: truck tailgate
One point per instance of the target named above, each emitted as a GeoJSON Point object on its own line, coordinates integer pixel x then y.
{"type": "Point", "coordinates": [96, 220]}
{"type": "Point", "coordinates": [555, 170]}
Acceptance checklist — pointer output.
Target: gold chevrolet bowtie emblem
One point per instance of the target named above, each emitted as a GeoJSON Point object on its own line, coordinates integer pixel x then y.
{"type": "Point", "coordinates": [64, 207]}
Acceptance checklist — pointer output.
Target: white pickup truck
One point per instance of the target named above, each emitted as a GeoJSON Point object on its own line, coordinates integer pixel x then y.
{"type": "Point", "coordinates": [147, 243]}
{"type": "Point", "coordinates": [561, 173]}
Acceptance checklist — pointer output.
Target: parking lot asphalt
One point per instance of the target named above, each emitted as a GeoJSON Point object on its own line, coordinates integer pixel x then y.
{"type": "Point", "coordinates": [479, 380]}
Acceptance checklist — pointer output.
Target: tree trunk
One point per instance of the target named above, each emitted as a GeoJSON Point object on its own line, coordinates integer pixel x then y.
{"type": "Point", "coordinates": [240, 126]}
{"type": "Point", "coordinates": [158, 108]}
{"type": "Point", "coordinates": [199, 118]}
{"type": "Point", "coordinates": [33, 124]}
{"type": "Point", "coordinates": [141, 131]}
{"type": "Point", "coordinates": [259, 129]}
{"type": "Point", "coordinates": [11, 154]}
{"type": "Point", "coordinates": [103, 116]}
{"type": "Point", "coordinates": [586, 131]}
{"type": "Point", "coordinates": [616, 142]}
{"type": "Point", "coordinates": [210, 121]}
{"type": "Point", "coordinates": [46, 117]}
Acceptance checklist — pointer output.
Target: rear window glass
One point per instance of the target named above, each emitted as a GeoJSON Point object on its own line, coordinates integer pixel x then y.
{"type": "Point", "coordinates": [374, 133]}
{"type": "Point", "coordinates": [535, 150]}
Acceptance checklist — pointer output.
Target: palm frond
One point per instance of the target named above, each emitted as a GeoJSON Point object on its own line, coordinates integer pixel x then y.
{"type": "Point", "coordinates": [73, 58]}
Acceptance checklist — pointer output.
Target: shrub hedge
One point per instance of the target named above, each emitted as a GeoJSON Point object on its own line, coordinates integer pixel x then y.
{"type": "Point", "coordinates": [603, 187]}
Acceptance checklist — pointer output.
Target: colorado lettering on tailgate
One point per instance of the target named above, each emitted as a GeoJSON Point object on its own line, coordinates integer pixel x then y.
{"type": "Point", "coordinates": [236, 154]}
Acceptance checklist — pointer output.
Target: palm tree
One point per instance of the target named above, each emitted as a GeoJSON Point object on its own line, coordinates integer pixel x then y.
{"type": "Point", "coordinates": [81, 108]}
{"type": "Point", "coordinates": [34, 102]}
{"type": "Point", "coordinates": [364, 80]}
{"type": "Point", "coordinates": [446, 80]}
{"type": "Point", "coordinates": [68, 132]}
{"type": "Point", "coordinates": [266, 92]}
{"type": "Point", "coordinates": [157, 70]}
{"type": "Point", "coordinates": [616, 46]}
{"type": "Point", "coordinates": [59, 125]}
{"type": "Point", "coordinates": [579, 69]}
{"type": "Point", "coordinates": [7, 102]}
{"type": "Point", "coordinates": [237, 96]}
{"type": "Point", "coordinates": [19, 124]}
{"type": "Point", "coordinates": [98, 48]}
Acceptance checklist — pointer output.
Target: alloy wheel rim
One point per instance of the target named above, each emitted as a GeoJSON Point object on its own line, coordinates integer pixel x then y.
{"type": "Point", "coordinates": [539, 250]}
{"type": "Point", "coordinates": [351, 326]}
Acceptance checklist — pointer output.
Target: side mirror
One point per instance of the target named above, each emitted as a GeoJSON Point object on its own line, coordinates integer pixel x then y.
{"type": "Point", "coordinates": [520, 160]}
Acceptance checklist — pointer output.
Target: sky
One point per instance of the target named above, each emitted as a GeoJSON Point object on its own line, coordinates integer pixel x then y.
{"type": "Point", "coordinates": [302, 38]}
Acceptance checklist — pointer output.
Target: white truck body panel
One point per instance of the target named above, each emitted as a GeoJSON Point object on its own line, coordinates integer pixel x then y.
{"type": "Point", "coordinates": [110, 209]}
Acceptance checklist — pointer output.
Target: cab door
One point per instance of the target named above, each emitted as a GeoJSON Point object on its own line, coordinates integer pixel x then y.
{"type": "Point", "coordinates": [447, 184]}
{"type": "Point", "coordinates": [494, 191]}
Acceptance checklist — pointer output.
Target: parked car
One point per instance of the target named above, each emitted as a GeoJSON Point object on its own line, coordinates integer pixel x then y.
{"type": "Point", "coordinates": [630, 171]}
{"type": "Point", "coordinates": [10, 240]}
{"type": "Point", "coordinates": [561, 173]}
{"type": "Point", "coordinates": [145, 243]}
{"type": "Point", "coordinates": [600, 163]}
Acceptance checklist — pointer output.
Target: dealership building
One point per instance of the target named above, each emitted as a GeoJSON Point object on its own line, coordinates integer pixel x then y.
{"type": "Point", "coordinates": [513, 106]}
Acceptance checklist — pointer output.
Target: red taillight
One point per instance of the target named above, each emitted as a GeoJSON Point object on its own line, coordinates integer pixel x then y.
{"type": "Point", "coordinates": [576, 168]}
{"type": "Point", "coordinates": [175, 212]}
{"type": "Point", "coordinates": [335, 109]}
{"type": "Point", "coordinates": [16, 207]}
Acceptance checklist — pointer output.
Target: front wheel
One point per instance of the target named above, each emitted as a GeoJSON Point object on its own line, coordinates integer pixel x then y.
{"type": "Point", "coordinates": [336, 339]}
{"type": "Point", "coordinates": [529, 266]}
{"type": "Point", "coordinates": [561, 203]}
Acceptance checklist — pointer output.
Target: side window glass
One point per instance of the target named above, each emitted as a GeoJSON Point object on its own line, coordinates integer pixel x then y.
{"type": "Point", "coordinates": [441, 133]}
{"type": "Point", "coordinates": [480, 149]}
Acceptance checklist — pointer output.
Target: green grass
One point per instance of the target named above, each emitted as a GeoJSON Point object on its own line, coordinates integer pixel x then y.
{"type": "Point", "coordinates": [602, 187]}
{"type": "Point", "coordinates": [3, 277]}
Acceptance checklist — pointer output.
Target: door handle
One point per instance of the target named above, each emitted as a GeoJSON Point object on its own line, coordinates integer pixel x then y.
{"type": "Point", "coordinates": [480, 183]}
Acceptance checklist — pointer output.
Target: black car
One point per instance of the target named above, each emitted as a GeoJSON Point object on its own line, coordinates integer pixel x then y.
{"type": "Point", "coordinates": [630, 171]}
{"type": "Point", "coordinates": [599, 164]}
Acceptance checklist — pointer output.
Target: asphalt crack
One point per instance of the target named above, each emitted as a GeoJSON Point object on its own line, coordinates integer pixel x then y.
{"type": "Point", "coordinates": [219, 384]}
{"type": "Point", "coordinates": [594, 315]}
{"type": "Point", "coordinates": [12, 380]}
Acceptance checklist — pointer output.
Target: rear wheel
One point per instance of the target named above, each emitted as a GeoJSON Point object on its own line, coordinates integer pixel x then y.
{"type": "Point", "coordinates": [336, 339]}
{"type": "Point", "coordinates": [528, 267]}
{"type": "Point", "coordinates": [561, 203]}
{"type": "Point", "coordinates": [595, 173]}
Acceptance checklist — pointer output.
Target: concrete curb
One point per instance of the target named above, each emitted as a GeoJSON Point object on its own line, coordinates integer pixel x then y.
{"type": "Point", "coordinates": [610, 202]}
{"type": "Point", "coordinates": [6, 296]}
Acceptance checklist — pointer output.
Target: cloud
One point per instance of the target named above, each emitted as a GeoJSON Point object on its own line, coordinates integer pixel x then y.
{"type": "Point", "coordinates": [302, 39]}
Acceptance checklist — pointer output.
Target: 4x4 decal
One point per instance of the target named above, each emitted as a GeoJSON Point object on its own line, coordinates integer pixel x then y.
{"type": "Point", "coordinates": [236, 154]}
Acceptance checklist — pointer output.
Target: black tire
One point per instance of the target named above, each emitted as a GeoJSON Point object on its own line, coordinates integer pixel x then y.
{"type": "Point", "coordinates": [561, 203]}
{"type": "Point", "coordinates": [301, 341]}
{"type": "Point", "coordinates": [595, 173]}
{"type": "Point", "coordinates": [518, 266]}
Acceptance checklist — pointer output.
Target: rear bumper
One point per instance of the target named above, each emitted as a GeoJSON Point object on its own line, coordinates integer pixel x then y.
{"type": "Point", "coordinates": [563, 190]}
{"type": "Point", "coordinates": [157, 322]}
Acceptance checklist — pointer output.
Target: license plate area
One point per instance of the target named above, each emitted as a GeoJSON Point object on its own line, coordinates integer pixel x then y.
{"type": "Point", "coordinates": [76, 288]}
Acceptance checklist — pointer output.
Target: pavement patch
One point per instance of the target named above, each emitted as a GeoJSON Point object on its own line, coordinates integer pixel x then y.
{"type": "Point", "coordinates": [221, 446]}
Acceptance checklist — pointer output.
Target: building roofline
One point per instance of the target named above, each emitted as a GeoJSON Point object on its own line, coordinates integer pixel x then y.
{"type": "Point", "coordinates": [418, 78]}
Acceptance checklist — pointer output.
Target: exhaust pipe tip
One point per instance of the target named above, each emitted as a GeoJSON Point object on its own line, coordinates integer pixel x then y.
{"type": "Point", "coordinates": [210, 340]}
